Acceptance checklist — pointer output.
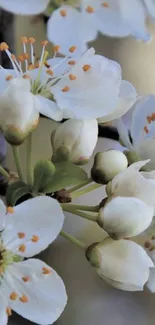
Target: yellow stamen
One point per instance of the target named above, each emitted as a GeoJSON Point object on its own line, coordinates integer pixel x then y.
{"type": "Point", "coordinates": [9, 77]}
{"type": "Point", "coordinates": [26, 56]}
{"type": "Point", "coordinates": [21, 235]}
{"type": "Point", "coordinates": [20, 58]}
{"type": "Point", "coordinates": [44, 43]}
{"type": "Point", "coordinates": [10, 210]}
{"type": "Point", "coordinates": [13, 57]}
{"type": "Point", "coordinates": [8, 311]}
{"type": "Point", "coordinates": [63, 12]}
{"type": "Point", "coordinates": [22, 248]}
{"type": "Point", "coordinates": [31, 67]}
{"type": "Point", "coordinates": [86, 67]}
{"type": "Point", "coordinates": [90, 9]}
{"type": "Point", "coordinates": [105, 4]}
{"type": "Point", "coordinates": [24, 299]}
{"type": "Point", "coordinates": [26, 76]}
{"type": "Point", "coordinates": [72, 76]}
{"type": "Point", "coordinates": [65, 89]}
{"type": "Point", "coordinates": [50, 72]}
{"type": "Point", "coordinates": [31, 40]}
{"type": "Point", "coordinates": [35, 238]}
{"type": "Point", "coordinates": [24, 39]}
{"type": "Point", "coordinates": [146, 130]}
{"type": "Point", "coordinates": [26, 278]}
{"type": "Point", "coordinates": [56, 48]}
{"type": "Point", "coordinates": [13, 296]}
{"type": "Point", "coordinates": [72, 62]}
{"type": "Point", "coordinates": [45, 270]}
{"type": "Point", "coordinates": [4, 46]}
{"type": "Point", "coordinates": [72, 49]}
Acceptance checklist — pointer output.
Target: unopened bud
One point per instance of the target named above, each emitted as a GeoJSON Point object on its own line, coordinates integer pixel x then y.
{"type": "Point", "coordinates": [107, 165]}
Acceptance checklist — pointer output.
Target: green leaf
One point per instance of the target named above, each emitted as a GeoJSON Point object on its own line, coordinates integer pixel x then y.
{"type": "Point", "coordinates": [43, 175]}
{"type": "Point", "coordinates": [66, 174]}
{"type": "Point", "coordinates": [15, 191]}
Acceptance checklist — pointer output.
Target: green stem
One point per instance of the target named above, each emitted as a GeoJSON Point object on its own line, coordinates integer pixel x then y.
{"type": "Point", "coordinates": [82, 214]}
{"type": "Point", "coordinates": [73, 240]}
{"type": "Point", "coordinates": [92, 208]}
{"type": "Point", "coordinates": [4, 173]}
{"type": "Point", "coordinates": [77, 187]}
{"type": "Point", "coordinates": [86, 190]}
{"type": "Point", "coordinates": [18, 163]}
{"type": "Point", "coordinates": [29, 160]}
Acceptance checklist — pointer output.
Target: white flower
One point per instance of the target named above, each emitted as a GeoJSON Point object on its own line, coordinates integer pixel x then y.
{"type": "Point", "coordinates": [117, 18]}
{"type": "Point", "coordinates": [107, 165]}
{"type": "Point", "coordinates": [90, 88]}
{"type": "Point", "coordinates": [24, 7]}
{"type": "Point", "coordinates": [76, 139]}
{"type": "Point", "coordinates": [123, 264]}
{"type": "Point", "coordinates": [124, 217]}
{"type": "Point", "coordinates": [31, 288]}
{"type": "Point", "coordinates": [140, 124]}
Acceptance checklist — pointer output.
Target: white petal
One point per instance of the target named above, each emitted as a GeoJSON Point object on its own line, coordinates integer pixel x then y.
{"type": "Point", "coordinates": [143, 109]}
{"type": "Point", "coordinates": [22, 7]}
{"type": "Point", "coordinates": [48, 108]}
{"type": "Point", "coordinates": [95, 92]}
{"type": "Point", "coordinates": [45, 292]}
{"type": "Point", "coordinates": [2, 215]}
{"type": "Point", "coordinates": [123, 133]}
{"type": "Point", "coordinates": [40, 216]}
{"type": "Point", "coordinates": [126, 217]}
{"type": "Point", "coordinates": [124, 261]}
{"type": "Point", "coordinates": [150, 6]}
{"type": "Point", "coordinates": [73, 29]}
{"type": "Point", "coordinates": [122, 285]}
{"type": "Point", "coordinates": [145, 149]}
{"type": "Point", "coordinates": [3, 74]}
{"type": "Point", "coordinates": [127, 97]}
{"type": "Point", "coordinates": [151, 281]}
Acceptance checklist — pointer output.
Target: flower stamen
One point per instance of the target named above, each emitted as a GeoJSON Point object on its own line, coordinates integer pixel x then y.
{"type": "Point", "coordinates": [24, 299]}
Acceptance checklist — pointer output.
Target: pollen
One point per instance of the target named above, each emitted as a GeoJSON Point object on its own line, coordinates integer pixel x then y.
{"type": "Point", "coordinates": [26, 56]}
{"type": "Point", "coordinates": [45, 270]}
{"type": "Point", "coordinates": [65, 89]}
{"type": "Point", "coordinates": [56, 48]}
{"type": "Point", "coordinates": [72, 62]}
{"type": "Point", "coordinates": [22, 248]}
{"type": "Point", "coordinates": [105, 4]}
{"type": "Point", "coordinates": [21, 235]}
{"type": "Point", "coordinates": [149, 119]}
{"type": "Point", "coordinates": [31, 67]}
{"type": "Point", "coordinates": [10, 210]}
{"type": "Point", "coordinates": [13, 296]}
{"type": "Point", "coordinates": [153, 117]}
{"type": "Point", "coordinates": [63, 12]}
{"type": "Point", "coordinates": [86, 67]}
{"type": "Point", "coordinates": [146, 130]}
{"type": "Point", "coordinates": [26, 76]}
{"type": "Point", "coordinates": [24, 39]}
{"type": "Point", "coordinates": [24, 299]}
{"type": "Point", "coordinates": [90, 9]}
{"type": "Point", "coordinates": [9, 77]}
{"type": "Point", "coordinates": [44, 43]}
{"type": "Point", "coordinates": [26, 278]}
{"type": "Point", "coordinates": [31, 40]}
{"type": "Point", "coordinates": [8, 311]}
{"type": "Point", "coordinates": [37, 65]}
{"type": "Point", "coordinates": [50, 72]}
{"type": "Point", "coordinates": [13, 57]}
{"type": "Point", "coordinates": [20, 58]}
{"type": "Point", "coordinates": [72, 49]}
{"type": "Point", "coordinates": [35, 238]}
{"type": "Point", "coordinates": [72, 76]}
{"type": "Point", "coordinates": [4, 46]}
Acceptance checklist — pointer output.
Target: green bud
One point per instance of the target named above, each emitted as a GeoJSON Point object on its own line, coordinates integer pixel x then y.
{"type": "Point", "coordinates": [43, 175]}
{"type": "Point", "coordinates": [92, 255]}
{"type": "Point", "coordinates": [131, 156]}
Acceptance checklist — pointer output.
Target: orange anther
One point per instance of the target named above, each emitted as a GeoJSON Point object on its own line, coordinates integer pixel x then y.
{"type": "Point", "coordinates": [9, 77]}
{"type": "Point", "coordinates": [72, 76]}
{"type": "Point", "coordinates": [20, 58]}
{"type": "Point", "coordinates": [26, 76]}
{"type": "Point", "coordinates": [47, 65]}
{"type": "Point", "coordinates": [31, 67]}
{"type": "Point", "coordinates": [63, 12]}
{"type": "Point", "coordinates": [24, 299]}
{"type": "Point", "coordinates": [31, 40]}
{"type": "Point", "coordinates": [72, 62]}
{"type": "Point", "coordinates": [22, 248]}
{"type": "Point", "coordinates": [10, 210]}
{"type": "Point", "coordinates": [56, 48]}
{"type": "Point", "coordinates": [13, 296]}
{"type": "Point", "coordinates": [25, 56]}
{"type": "Point", "coordinates": [90, 9]}
{"type": "Point", "coordinates": [8, 311]}
{"type": "Point", "coordinates": [21, 235]}
{"type": "Point", "coordinates": [44, 43]}
{"type": "Point", "coordinates": [86, 67]}
{"type": "Point", "coordinates": [26, 278]}
{"type": "Point", "coordinates": [65, 89]}
{"type": "Point", "coordinates": [13, 57]}
{"type": "Point", "coordinates": [149, 119]}
{"type": "Point", "coordinates": [146, 130]}
{"type": "Point", "coordinates": [153, 117]}
{"type": "Point", "coordinates": [24, 39]}
{"type": "Point", "coordinates": [37, 65]}
{"type": "Point", "coordinates": [50, 72]}
{"type": "Point", "coordinates": [35, 238]}
{"type": "Point", "coordinates": [4, 46]}
{"type": "Point", "coordinates": [45, 270]}
{"type": "Point", "coordinates": [72, 49]}
{"type": "Point", "coordinates": [105, 4]}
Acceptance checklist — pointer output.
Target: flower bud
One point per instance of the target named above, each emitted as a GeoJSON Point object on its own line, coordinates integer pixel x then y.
{"type": "Point", "coordinates": [18, 113]}
{"type": "Point", "coordinates": [123, 264]}
{"type": "Point", "coordinates": [124, 217]}
{"type": "Point", "coordinates": [107, 165]}
{"type": "Point", "coordinates": [74, 141]}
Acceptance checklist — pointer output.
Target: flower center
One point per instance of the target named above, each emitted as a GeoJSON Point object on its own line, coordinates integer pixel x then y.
{"type": "Point", "coordinates": [7, 258]}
